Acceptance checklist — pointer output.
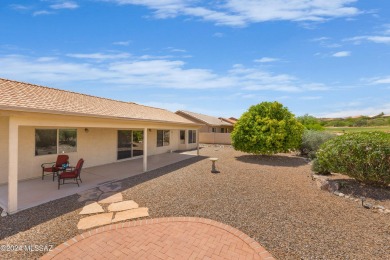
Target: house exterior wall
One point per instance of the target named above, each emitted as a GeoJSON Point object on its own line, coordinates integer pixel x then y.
{"type": "Point", "coordinates": [217, 128]}
{"type": "Point", "coordinates": [3, 149]}
{"type": "Point", "coordinates": [215, 138]}
{"type": "Point", "coordinates": [97, 146]}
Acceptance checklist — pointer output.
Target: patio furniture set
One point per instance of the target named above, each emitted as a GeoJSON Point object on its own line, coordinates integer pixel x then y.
{"type": "Point", "coordinates": [62, 170]}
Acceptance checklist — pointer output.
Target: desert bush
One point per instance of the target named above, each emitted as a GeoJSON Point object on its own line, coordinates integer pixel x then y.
{"type": "Point", "coordinates": [364, 156]}
{"type": "Point", "coordinates": [318, 168]}
{"type": "Point", "coordinates": [311, 141]}
{"type": "Point", "coordinates": [267, 128]}
{"type": "Point", "coordinates": [310, 122]}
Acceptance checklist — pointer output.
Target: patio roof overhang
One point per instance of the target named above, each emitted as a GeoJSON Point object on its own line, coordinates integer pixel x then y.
{"type": "Point", "coordinates": [26, 117]}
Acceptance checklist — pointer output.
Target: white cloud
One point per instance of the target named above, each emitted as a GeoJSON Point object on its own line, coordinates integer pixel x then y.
{"type": "Point", "coordinates": [315, 87]}
{"type": "Point", "coordinates": [100, 56]}
{"type": "Point", "coordinates": [124, 70]}
{"type": "Point", "coordinates": [243, 12]}
{"type": "Point", "coordinates": [325, 42]}
{"type": "Point", "coordinates": [175, 49]}
{"type": "Point", "coordinates": [19, 7]}
{"type": "Point", "coordinates": [379, 80]}
{"type": "Point", "coordinates": [266, 60]}
{"type": "Point", "coordinates": [41, 12]}
{"type": "Point", "coordinates": [65, 5]}
{"type": "Point", "coordinates": [341, 54]}
{"type": "Point", "coordinates": [122, 43]}
{"type": "Point", "coordinates": [375, 39]}
{"type": "Point", "coordinates": [366, 111]}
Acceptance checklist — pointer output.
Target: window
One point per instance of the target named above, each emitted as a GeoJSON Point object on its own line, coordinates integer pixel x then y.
{"type": "Point", "coordinates": [214, 130]}
{"type": "Point", "coordinates": [67, 140]}
{"type": "Point", "coordinates": [222, 130]}
{"type": "Point", "coordinates": [162, 138]}
{"type": "Point", "coordinates": [182, 136]}
{"type": "Point", "coordinates": [46, 141]}
{"type": "Point", "coordinates": [191, 136]}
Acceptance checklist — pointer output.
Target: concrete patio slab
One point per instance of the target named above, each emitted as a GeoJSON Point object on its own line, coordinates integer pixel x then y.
{"type": "Point", "coordinates": [95, 221]}
{"type": "Point", "coordinates": [36, 191]}
{"type": "Point", "coordinates": [131, 214]}
{"type": "Point", "coordinates": [123, 205]}
{"type": "Point", "coordinates": [91, 207]}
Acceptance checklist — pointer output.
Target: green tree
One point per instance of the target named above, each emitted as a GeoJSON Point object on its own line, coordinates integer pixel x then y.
{"type": "Point", "coordinates": [267, 128]}
{"type": "Point", "coordinates": [310, 122]}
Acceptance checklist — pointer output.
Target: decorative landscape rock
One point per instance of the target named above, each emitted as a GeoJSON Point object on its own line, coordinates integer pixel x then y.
{"type": "Point", "coordinates": [110, 197]}
{"type": "Point", "coordinates": [92, 194]}
{"type": "Point", "coordinates": [333, 186]}
{"type": "Point", "coordinates": [95, 221]}
{"type": "Point", "coordinates": [3, 213]}
{"type": "Point", "coordinates": [123, 205]}
{"type": "Point", "coordinates": [131, 214]}
{"type": "Point", "coordinates": [91, 207]}
{"type": "Point", "coordinates": [115, 186]}
{"type": "Point", "coordinates": [367, 205]}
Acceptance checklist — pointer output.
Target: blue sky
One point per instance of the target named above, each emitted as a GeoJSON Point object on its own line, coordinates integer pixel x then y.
{"type": "Point", "coordinates": [327, 58]}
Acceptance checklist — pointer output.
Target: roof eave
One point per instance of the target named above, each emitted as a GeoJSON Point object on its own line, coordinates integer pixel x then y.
{"type": "Point", "coordinates": [54, 112]}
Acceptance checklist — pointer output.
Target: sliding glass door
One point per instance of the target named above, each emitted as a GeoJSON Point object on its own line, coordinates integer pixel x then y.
{"type": "Point", "coordinates": [130, 143]}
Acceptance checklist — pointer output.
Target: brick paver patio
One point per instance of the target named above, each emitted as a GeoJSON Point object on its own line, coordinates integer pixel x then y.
{"type": "Point", "coordinates": [162, 238]}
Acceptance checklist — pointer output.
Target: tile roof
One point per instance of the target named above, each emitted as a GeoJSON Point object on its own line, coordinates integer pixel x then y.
{"type": "Point", "coordinates": [231, 120]}
{"type": "Point", "coordinates": [208, 120]}
{"type": "Point", "coordinates": [20, 96]}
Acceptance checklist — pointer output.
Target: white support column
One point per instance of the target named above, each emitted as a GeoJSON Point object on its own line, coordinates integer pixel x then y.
{"type": "Point", "coordinates": [13, 143]}
{"type": "Point", "coordinates": [197, 142]}
{"type": "Point", "coordinates": [145, 159]}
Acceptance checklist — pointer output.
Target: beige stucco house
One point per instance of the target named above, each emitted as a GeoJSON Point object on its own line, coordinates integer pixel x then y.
{"type": "Point", "coordinates": [37, 123]}
{"type": "Point", "coordinates": [214, 130]}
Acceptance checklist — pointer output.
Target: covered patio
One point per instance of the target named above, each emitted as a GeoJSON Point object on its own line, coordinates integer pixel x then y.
{"type": "Point", "coordinates": [36, 191]}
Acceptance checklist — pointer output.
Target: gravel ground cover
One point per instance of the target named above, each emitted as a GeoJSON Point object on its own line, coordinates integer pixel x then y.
{"type": "Point", "coordinates": [273, 199]}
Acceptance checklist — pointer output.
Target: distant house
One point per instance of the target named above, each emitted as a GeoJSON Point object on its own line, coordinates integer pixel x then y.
{"type": "Point", "coordinates": [214, 131]}
{"type": "Point", "coordinates": [231, 120]}
{"type": "Point", "coordinates": [37, 123]}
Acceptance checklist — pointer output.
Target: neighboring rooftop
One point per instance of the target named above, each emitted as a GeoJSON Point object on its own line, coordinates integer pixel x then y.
{"type": "Point", "coordinates": [208, 120]}
{"type": "Point", "coordinates": [20, 96]}
{"type": "Point", "coordinates": [231, 120]}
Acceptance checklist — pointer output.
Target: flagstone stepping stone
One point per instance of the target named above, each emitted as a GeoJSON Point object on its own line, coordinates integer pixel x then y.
{"type": "Point", "coordinates": [123, 205]}
{"type": "Point", "coordinates": [95, 221]}
{"type": "Point", "coordinates": [110, 197]}
{"type": "Point", "coordinates": [111, 187]}
{"type": "Point", "coordinates": [131, 214]}
{"type": "Point", "coordinates": [92, 194]}
{"type": "Point", "coordinates": [91, 207]}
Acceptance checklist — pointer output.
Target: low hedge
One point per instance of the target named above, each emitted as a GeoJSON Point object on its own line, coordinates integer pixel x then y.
{"type": "Point", "coordinates": [312, 140]}
{"type": "Point", "coordinates": [364, 156]}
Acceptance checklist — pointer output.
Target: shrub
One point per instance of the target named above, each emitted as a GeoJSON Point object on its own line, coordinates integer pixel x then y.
{"type": "Point", "coordinates": [267, 128]}
{"type": "Point", "coordinates": [311, 141]}
{"type": "Point", "coordinates": [364, 156]}
{"type": "Point", "coordinates": [310, 122]}
{"type": "Point", "coordinates": [318, 168]}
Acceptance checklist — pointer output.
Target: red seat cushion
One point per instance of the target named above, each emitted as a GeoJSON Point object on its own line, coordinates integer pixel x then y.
{"type": "Point", "coordinates": [65, 175]}
{"type": "Point", "coordinates": [51, 169]}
